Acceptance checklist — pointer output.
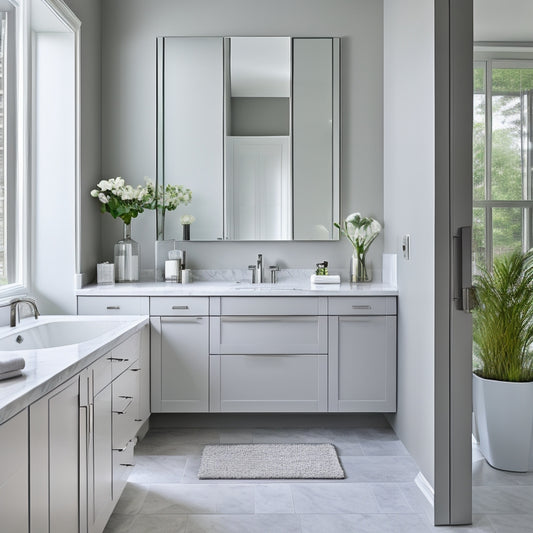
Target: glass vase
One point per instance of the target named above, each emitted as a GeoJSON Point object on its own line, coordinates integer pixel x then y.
{"type": "Point", "coordinates": [127, 257]}
{"type": "Point", "coordinates": [359, 273]}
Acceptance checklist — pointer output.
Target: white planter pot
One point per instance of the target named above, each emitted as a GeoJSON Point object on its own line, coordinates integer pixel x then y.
{"type": "Point", "coordinates": [504, 416]}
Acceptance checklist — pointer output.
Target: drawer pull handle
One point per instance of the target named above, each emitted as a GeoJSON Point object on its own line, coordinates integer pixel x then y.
{"type": "Point", "coordinates": [113, 307]}
{"type": "Point", "coordinates": [117, 359]}
{"type": "Point", "coordinates": [177, 307]}
{"type": "Point", "coordinates": [135, 369]}
{"type": "Point", "coordinates": [125, 410]}
{"type": "Point", "coordinates": [126, 464]}
{"type": "Point", "coordinates": [126, 397]}
{"type": "Point", "coordinates": [361, 307]}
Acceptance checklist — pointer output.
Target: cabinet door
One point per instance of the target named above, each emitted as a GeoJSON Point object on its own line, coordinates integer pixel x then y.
{"type": "Point", "coordinates": [362, 363]}
{"type": "Point", "coordinates": [54, 468]}
{"type": "Point", "coordinates": [14, 474]}
{"type": "Point", "coordinates": [100, 462]}
{"type": "Point", "coordinates": [180, 364]}
{"type": "Point", "coordinates": [142, 366]}
{"type": "Point", "coordinates": [269, 383]}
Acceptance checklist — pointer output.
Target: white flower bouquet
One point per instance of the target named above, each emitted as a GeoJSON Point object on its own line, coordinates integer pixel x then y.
{"type": "Point", "coordinates": [361, 232]}
{"type": "Point", "coordinates": [168, 197]}
{"type": "Point", "coordinates": [120, 200]}
{"type": "Point", "coordinates": [186, 219]}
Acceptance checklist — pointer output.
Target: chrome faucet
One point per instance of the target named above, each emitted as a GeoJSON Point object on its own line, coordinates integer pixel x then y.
{"type": "Point", "coordinates": [257, 270]}
{"type": "Point", "coordinates": [14, 305]}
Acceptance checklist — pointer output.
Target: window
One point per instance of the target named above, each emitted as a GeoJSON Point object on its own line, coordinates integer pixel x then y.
{"type": "Point", "coordinates": [502, 158]}
{"type": "Point", "coordinates": [11, 221]}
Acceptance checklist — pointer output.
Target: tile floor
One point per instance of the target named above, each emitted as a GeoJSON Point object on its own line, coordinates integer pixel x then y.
{"type": "Point", "coordinates": [378, 495]}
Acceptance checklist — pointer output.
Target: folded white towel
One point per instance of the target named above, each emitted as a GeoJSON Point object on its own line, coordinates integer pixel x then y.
{"type": "Point", "coordinates": [12, 374]}
{"type": "Point", "coordinates": [8, 364]}
{"type": "Point", "coordinates": [334, 278]}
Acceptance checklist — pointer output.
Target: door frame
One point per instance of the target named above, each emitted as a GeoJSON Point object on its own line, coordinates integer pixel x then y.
{"type": "Point", "coordinates": [453, 210]}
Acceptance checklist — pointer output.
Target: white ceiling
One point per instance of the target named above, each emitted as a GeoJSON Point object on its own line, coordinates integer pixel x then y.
{"type": "Point", "coordinates": [503, 20]}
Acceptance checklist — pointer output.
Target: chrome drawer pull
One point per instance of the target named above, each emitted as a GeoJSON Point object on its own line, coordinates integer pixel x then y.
{"type": "Point", "coordinates": [135, 369]}
{"type": "Point", "coordinates": [117, 359]}
{"type": "Point", "coordinates": [126, 397]}
{"type": "Point", "coordinates": [177, 307]}
{"type": "Point", "coordinates": [113, 307]}
{"type": "Point", "coordinates": [125, 410]}
{"type": "Point", "coordinates": [126, 464]}
{"type": "Point", "coordinates": [361, 307]}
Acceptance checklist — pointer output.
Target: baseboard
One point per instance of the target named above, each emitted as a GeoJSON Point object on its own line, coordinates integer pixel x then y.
{"type": "Point", "coordinates": [270, 420]}
{"type": "Point", "coordinates": [425, 488]}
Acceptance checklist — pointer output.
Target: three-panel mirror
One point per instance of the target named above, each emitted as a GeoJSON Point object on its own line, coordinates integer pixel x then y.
{"type": "Point", "coordinates": [251, 126]}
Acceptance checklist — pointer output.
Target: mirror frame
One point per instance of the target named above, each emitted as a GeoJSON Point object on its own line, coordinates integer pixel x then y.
{"type": "Point", "coordinates": [335, 138]}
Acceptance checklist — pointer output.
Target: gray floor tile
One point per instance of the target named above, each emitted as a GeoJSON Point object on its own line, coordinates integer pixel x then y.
{"type": "Point", "coordinates": [324, 498]}
{"type": "Point", "coordinates": [171, 498]}
{"type": "Point", "coordinates": [158, 469]}
{"type": "Point", "coordinates": [379, 469]}
{"type": "Point", "coordinates": [159, 524]}
{"type": "Point", "coordinates": [502, 500]}
{"type": "Point", "coordinates": [484, 474]}
{"type": "Point", "coordinates": [508, 523]}
{"type": "Point", "coordinates": [243, 524]}
{"type": "Point", "coordinates": [235, 499]}
{"type": "Point", "coordinates": [119, 523]}
{"type": "Point", "coordinates": [391, 498]}
{"type": "Point", "coordinates": [386, 447]}
{"type": "Point", "coordinates": [273, 499]}
{"type": "Point", "coordinates": [364, 523]}
{"type": "Point", "coordinates": [348, 448]}
{"type": "Point", "coordinates": [132, 498]}
{"type": "Point", "coordinates": [236, 436]}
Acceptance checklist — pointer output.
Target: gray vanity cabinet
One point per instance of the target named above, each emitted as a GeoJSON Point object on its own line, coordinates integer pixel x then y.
{"type": "Point", "coordinates": [180, 355]}
{"type": "Point", "coordinates": [57, 435]}
{"type": "Point", "coordinates": [362, 354]}
{"type": "Point", "coordinates": [268, 355]}
{"type": "Point", "coordinates": [14, 474]}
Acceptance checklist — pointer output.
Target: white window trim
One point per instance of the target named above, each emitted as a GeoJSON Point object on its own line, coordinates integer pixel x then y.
{"type": "Point", "coordinates": [496, 55]}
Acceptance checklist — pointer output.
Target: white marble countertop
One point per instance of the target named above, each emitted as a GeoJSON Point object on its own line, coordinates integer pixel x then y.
{"type": "Point", "coordinates": [239, 288]}
{"type": "Point", "coordinates": [48, 368]}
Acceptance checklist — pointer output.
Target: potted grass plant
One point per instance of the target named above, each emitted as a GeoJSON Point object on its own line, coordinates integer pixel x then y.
{"type": "Point", "coordinates": [503, 362]}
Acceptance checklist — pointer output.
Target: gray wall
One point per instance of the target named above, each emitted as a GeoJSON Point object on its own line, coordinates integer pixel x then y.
{"type": "Point", "coordinates": [129, 30]}
{"type": "Point", "coordinates": [89, 12]}
{"type": "Point", "coordinates": [409, 170]}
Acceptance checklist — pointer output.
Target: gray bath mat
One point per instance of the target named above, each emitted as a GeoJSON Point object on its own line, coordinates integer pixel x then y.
{"type": "Point", "coordinates": [270, 461]}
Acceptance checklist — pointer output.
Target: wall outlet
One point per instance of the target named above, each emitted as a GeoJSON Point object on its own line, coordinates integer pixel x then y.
{"type": "Point", "coordinates": [406, 247]}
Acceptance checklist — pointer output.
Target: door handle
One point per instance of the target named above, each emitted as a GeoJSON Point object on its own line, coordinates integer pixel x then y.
{"type": "Point", "coordinates": [464, 292]}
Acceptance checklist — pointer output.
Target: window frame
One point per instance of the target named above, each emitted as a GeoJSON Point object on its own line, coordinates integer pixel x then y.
{"type": "Point", "coordinates": [17, 219]}
{"type": "Point", "coordinates": [490, 57]}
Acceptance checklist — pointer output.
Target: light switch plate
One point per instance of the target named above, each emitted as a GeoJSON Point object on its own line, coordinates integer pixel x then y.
{"type": "Point", "coordinates": [406, 247]}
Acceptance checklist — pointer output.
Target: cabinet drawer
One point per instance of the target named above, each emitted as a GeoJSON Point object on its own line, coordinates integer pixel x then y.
{"type": "Point", "coordinates": [113, 305]}
{"type": "Point", "coordinates": [273, 305]}
{"type": "Point", "coordinates": [167, 306]}
{"type": "Point", "coordinates": [274, 383]}
{"type": "Point", "coordinates": [268, 334]}
{"type": "Point", "coordinates": [124, 403]}
{"type": "Point", "coordinates": [123, 461]}
{"type": "Point", "coordinates": [372, 305]}
{"type": "Point", "coordinates": [124, 355]}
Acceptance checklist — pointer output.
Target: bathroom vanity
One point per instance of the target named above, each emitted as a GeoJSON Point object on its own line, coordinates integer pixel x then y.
{"type": "Point", "coordinates": [229, 347]}
{"type": "Point", "coordinates": [68, 425]}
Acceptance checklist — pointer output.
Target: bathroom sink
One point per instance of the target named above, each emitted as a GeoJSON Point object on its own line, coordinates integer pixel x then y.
{"type": "Point", "coordinates": [56, 334]}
